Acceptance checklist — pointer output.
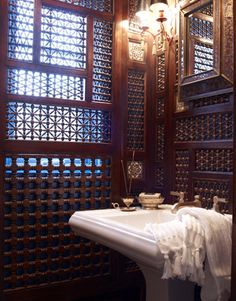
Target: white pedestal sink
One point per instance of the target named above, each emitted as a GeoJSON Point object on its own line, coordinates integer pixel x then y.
{"type": "Point", "coordinates": [124, 232]}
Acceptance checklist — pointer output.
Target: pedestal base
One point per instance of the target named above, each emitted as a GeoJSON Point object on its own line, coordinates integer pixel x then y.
{"type": "Point", "coordinates": [158, 289]}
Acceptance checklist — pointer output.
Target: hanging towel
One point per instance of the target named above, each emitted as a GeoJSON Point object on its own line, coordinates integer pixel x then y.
{"type": "Point", "coordinates": [194, 237]}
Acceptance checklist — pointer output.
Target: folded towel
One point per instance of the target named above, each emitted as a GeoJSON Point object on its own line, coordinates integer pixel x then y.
{"type": "Point", "coordinates": [195, 236]}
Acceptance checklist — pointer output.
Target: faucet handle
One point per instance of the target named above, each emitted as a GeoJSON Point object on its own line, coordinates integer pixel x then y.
{"type": "Point", "coordinates": [179, 194]}
{"type": "Point", "coordinates": [174, 193]}
{"type": "Point", "coordinates": [216, 201]}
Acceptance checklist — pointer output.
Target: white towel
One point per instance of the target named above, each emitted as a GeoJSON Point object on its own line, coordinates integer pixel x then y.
{"type": "Point", "coordinates": [194, 236]}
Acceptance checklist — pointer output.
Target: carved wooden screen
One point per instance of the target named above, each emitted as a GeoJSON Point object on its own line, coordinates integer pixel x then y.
{"type": "Point", "coordinates": [57, 104]}
{"type": "Point", "coordinates": [203, 124]}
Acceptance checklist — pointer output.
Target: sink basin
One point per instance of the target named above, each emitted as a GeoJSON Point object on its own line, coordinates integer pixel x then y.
{"type": "Point", "coordinates": [124, 232]}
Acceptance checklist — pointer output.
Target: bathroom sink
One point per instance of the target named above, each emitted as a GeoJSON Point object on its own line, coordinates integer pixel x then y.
{"type": "Point", "coordinates": [124, 232]}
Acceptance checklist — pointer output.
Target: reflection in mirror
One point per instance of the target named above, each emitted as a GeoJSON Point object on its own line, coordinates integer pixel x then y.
{"type": "Point", "coordinates": [199, 40]}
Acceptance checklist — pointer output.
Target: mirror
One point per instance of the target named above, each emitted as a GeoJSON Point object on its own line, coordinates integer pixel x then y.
{"type": "Point", "coordinates": [205, 35]}
{"type": "Point", "coordinates": [199, 40]}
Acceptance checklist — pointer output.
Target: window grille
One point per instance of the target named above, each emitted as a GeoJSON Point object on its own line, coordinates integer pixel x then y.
{"type": "Point", "coordinates": [63, 38]}
{"type": "Point", "coordinates": [34, 83]}
{"type": "Point", "coordinates": [20, 32]}
{"type": "Point", "coordinates": [55, 123]}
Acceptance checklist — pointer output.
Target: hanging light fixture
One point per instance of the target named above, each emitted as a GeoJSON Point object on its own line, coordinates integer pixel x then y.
{"type": "Point", "coordinates": [148, 12]}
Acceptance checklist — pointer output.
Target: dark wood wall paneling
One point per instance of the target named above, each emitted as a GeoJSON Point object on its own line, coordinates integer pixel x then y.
{"type": "Point", "coordinates": [202, 139]}
{"type": "Point", "coordinates": [35, 210]}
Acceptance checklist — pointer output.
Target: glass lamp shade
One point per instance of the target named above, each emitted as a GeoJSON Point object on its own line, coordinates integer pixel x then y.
{"type": "Point", "coordinates": [160, 9]}
{"type": "Point", "coordinates": [143, 14]}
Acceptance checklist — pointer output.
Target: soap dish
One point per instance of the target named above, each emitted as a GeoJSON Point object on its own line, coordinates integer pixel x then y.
{"type": "Point", "coordinates": [126, 209]}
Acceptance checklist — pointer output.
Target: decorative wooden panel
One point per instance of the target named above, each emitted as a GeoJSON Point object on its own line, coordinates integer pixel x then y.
{"type": "Point", "coordinates": [135, 169]}
{"type": "Point", "coordinates": [208, 188]}
{"type": "Point", "coordinates": [20, 30]}
{"type": "Point", "coordinates": [99, 5]}
{"type": "Point", "coordinates": [207, 127]}
{"type": "Point", "coordinates": [182, 165]}
{"type": "Point", "coordinates": [63, 38]}
{"type": "Point", "coordinates": [136, 102]}
{"type": "Point", "coordinates": [102, 63]}
{"type": "Point", "coordinates": [136, 51]}
{"type": "Point", "coordinates": [41, 193]}
{"type": "Point", "coordinates": [42, 84]}
{"type": "Point", "coordinates": [217, 160]}
{"type": "Point", "coordinates": [199, 29]}
{"type": "Point", "coordinates": [159, 177]}
{"type": "Point", "coordinates": [213, 100]}
{"type": "Point", "coordinates": [56, 123]}
{"type": "Point", "coordinates": [160, 147]}
{"type": "Point", "coordinates": [160, 73]}
{"type": "Point", "coordinates": [160, 109]}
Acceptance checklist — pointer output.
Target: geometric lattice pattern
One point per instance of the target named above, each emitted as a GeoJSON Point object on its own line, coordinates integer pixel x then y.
{"type": "Point", "coordinates": [215, 126]}
{"type": "Point", "coordinates": [200, 28]}
{"type": "Point", "coordinates": [135, 169]}
{"type": "Point", "coordinates": [182, 170]}
{"type": "Point", "coordinates": [160, 142]}
{"type": "Point", "coordinates": [20, 29]}
{"type": "Point", "coordinates": [213, 100]}
{"type": "Point", "coordinates": [220, 160]}
{"type": "Point", "coordinates": [102, 69]}
{"type": "Point", "coordinates": [41, 193]}
{"type": "Point", "coordinates": [207, 189]}
{"type": "Point", "coordinates": [160, 105]}
{"type": "Point", "coordinates": [203, 57]}
{"type": "Point", "coordinates": [208, 10]}
{"type": "Point", "coordinates": [136, 51]}
{"type": "Point", "coordinates": [159, 177]}
{"type": "Point", "coordinates": [136, 100]}
{"type": "Point", "coordinates": [35, 83]}
{"type": "Point", "coordinates": [54, 123]}
{"type": "Point", "coordinates": [160, 73]}
{"type": "Point", "coordinates": [99, 5]}
{"type": "Point", "coordinates": [63, 38]}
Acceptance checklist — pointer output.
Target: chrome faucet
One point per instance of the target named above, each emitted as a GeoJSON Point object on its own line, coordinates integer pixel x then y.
{"type": "Point", "coordinates": [181, 203]}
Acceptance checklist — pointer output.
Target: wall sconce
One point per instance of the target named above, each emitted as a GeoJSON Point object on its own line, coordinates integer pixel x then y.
{"type": "Point", "coordinates": [151, 15]}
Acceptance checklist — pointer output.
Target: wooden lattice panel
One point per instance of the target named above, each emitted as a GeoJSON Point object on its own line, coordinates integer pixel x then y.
{"type": "Point", "coordinates": [159, 177]}
{"type": "Point", "coordinates": [177, 54]}
{"type": "Point", "coordinates": [207, 189]}
{"type": "Point", "coordinates": [55, 123]}
{"type": "Point", "coordinates": [20, 29]}
{"type": "Point", "coordinates": [160, 142]}
{"type": "Point", "coordinates": [208, 10]}
{"type": "Point", "coordinates": [136, 101]}
{"type": "Point", "coordinates": [213, 100]}
{"type": "Point", "coordinates": [63, 38]}
{"type": "Point", "coordinates": [42, 84]}
{"type": "Point", "coordinates": [99, 5]}
{"type": "Point", "coordinates": [208, 127]}
{"type": "Point", "coordinates": [201, 35]}
{"type": "Point", "coordinates": [216, 160]}
{"type": "Point", "coordinates": [203, 57]}
{"type": "Point", "coordinates": [200, 28]}
{"type": "Point", "coordinates": [182, 158]}
{"type": "Point", "coordinates": [160, 106]}
{"type": "Point", "coordinates": [41, 193]}
{"type": "Point", "coordinates": [160, 73]}
{"type": "Point", "coordinates": [102, 64]}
